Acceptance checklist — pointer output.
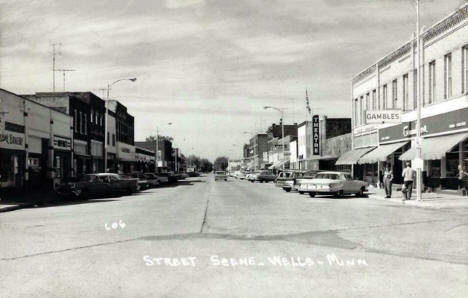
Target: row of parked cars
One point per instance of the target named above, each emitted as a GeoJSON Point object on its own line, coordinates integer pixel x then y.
{"type": "Point", "coordinates": [104, 184]}
{"type": "Point", "coordinates": [310, 182]}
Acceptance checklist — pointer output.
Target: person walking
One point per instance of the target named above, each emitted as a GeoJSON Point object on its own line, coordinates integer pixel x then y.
{"type": "Point", "coordinates": [408, 178]}
{"type": "Point", "coordinates": [387, 181]}
{"type": "Point", "coordinates": [463, 180]}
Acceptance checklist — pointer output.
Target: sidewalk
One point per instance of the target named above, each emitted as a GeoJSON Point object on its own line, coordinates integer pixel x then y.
{"type": "Point", "coordinates": [429, 200]}
{"type": "Point", "coordinates": [15, 201]}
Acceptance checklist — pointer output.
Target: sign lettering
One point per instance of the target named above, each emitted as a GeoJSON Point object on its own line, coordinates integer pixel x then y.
{"type": "Point", "coordinates": [384, 116]}
{"type": "Point", "coordinates": [316, 135]}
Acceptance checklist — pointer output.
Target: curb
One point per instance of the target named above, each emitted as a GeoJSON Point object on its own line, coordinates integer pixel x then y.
{"type": "Point", "coordinates": [16, 207]}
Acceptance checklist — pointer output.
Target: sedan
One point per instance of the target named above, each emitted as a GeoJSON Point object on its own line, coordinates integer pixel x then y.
{"type": "Point", "coordinates": [102, 184]}
{"type": "Point", "coordinates": [152, 179]}
{"type": "Point", "coordinates": [220, 175]}
{"type": "Point", "coordinates": [334, 183]}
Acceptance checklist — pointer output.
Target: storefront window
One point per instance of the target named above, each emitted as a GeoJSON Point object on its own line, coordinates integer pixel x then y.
{"type": "Point", "coordinates": [434, 169]}
{"type": "Point", "coordinates": [452, 164]}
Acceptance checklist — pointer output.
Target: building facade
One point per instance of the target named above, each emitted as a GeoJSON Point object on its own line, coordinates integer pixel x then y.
{"type": "Point", "coordinates": [88, 112]}
{"type": "Point", "coordinates": [312, 137]}
{"type": "Point", "coordinates": [391, 84]}
{"type": "Point", "coordinates": [124, 137]}
{"type": "Point", "coordinates": [35, 144]}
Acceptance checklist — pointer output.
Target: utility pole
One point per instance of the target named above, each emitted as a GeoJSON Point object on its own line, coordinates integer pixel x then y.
{"type": "Point", "coordinates": [64, 71]}
{"type": "Point", "coordinates": [55, 52]}
{"type": "Point", "coordinates": [418, 97]}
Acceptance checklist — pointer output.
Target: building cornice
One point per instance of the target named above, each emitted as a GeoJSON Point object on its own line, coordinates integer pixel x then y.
{"type": "Point", "coordinates": [432, 32]}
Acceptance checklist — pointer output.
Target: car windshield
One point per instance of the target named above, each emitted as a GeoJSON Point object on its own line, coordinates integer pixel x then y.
{"type": "Point", "coordinates": [88, 178]}
{"type": "Point", "coordinates": [328, 176]}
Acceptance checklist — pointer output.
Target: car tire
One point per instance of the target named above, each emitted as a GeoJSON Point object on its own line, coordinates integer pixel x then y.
{"type": "Point", "coordinates": [286, 189]}
{"type": "Point", "coordinates": [360, 193]}
{"type": "Point", "coordinates": [339, 193]}
{"type": "Point", "coordinates": [311, 194]}
{"type": "Point", "coordinates": [301, 192]}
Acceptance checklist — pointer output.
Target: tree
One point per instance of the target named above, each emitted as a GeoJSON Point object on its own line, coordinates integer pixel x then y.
{"type": "Point", "coordinates": [221, 163]}
{"type": "Point", "coordinates": [206, 165]}
{"type": "Point", "coordinates": [194, 161]}
{"type": "Point", "coordinates": [153, 138]}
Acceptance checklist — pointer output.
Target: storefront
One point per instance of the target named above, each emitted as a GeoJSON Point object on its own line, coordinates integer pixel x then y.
{"type": "Point", "coordinates": [12, 142]}
{"type": "Point", "coordinates": [81, 158]}
{"type": "Point", "coordinates": [443, 146]}
{"type": "Point", "coordinates": [126, 158]}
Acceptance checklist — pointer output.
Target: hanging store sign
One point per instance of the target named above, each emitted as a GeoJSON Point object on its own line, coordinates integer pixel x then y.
{"type": "Point", "coordinates": [384, 116]}
{"type": "Point", "coordinates": [316, 135]}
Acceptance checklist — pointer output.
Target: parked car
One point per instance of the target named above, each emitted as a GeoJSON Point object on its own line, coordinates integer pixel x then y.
{"type": "Point", "coordinates": [152, 179]}
{"type": "Point", "coordinates": [143, 183]}
{"type": "Point", "coordinates": [287, 180]}
{"type": "Point", "coordinates": [162, 178]}
{"type": "Point", "coordinates": [220, 175]}
{"type": "Point", "coordinates": [193, 174]}
{"type": "Point", "coordinates": [334, 183]}
{"type": "Point", "coordinates": [265, 176]}
{"type": "Point", "coordinates": [252, 177]}
{"type": "Point", "coordinates": [102, 184]}
{"type": "Point", "coordinates": [241, 175]}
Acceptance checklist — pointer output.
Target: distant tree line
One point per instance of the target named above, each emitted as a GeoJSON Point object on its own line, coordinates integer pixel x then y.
{"type": "Point", "coordinates": [200, 164]}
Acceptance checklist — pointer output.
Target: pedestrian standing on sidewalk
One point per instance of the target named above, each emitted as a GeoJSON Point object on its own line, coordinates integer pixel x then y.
{"type": "Point", "coordinates": [408, 178]}
{"type": "Point", "coordinates": [387, 181]}
{"type": "Point", "coordinates": [463, 180]}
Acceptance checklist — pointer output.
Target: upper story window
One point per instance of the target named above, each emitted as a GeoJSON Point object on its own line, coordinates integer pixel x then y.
{"type": "Point", "coordinates": [465, 69]}
{"type": "Point", "coordinates": [394, 94]}
{"type": "Point", "coordinates": [448, 75]}
{"type": "Point", "coordinates": [356, 112]}
{"type": "Point", "coordinates": [405, 93]}
{"type": "Point", "coordinates": [431, 82]}
{"type": "Point", "coordinates": [361, 110]}
{"type": "Point", "coordinates": [384, 96]}
{"type": "Point", "coordinates": [91, 117]}
{"type": "Point", "coordinates": [85, 124]}
{"type": "Point", "coordinates": [80, 124]}
{"type": "Point", "coordinates": [374, 98]}
{"type": "Point", "coordinates": [367, 101]}
{"type": "Point", "coordinates": [75, 118]}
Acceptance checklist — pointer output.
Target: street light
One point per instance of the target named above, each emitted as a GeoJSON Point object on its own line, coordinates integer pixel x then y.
{"type": "Point", "coordinates": [156, 155]}
{"type": "Point", "coordinates": [282, 128]}
{"type": "Point", "coordinates": [105, 119]}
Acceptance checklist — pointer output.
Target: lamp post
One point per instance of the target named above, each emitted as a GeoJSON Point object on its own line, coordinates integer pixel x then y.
{"type": "Point", "coordinates": [282, 128]}
{"type": "Point", "coordinates": [105, 119]}
{"type": "Point", "coordinates": [156, 155]}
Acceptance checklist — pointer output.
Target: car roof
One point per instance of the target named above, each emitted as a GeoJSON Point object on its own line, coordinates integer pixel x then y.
{"type": "Point", "coordinates": [332, 172]}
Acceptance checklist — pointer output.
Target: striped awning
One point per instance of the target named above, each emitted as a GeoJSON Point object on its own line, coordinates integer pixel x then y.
{"type": "Point", "coordinates": [381, 153]}
{"type": "Point", "coordinates": [353, 156]}
{"type": "Point", "coordinates": [435, 148]}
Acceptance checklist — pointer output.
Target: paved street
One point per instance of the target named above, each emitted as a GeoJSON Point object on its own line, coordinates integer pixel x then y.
{"type": "Point", "coordinates": [169, 242]}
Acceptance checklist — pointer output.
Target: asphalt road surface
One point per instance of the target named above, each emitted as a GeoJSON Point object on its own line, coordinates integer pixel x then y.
{"type": "Point", "coordinates": [203, 238]}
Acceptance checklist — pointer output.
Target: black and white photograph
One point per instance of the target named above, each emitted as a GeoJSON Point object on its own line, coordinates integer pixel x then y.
{"type": "Point", "coordinates": [249, 148]}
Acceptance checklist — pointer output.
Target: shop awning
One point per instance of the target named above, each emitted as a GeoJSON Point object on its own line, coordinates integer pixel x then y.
{"type": "Point", "coordinates": [381, 153]}
{"type": "Point", "coordinates": [322, 157]}
{"type": "Point", "coordinates": [279, 165]}
{"type": "Point", "coordinates": [351, 157]}
{"type": "Point", "coordinates": [435, 148]}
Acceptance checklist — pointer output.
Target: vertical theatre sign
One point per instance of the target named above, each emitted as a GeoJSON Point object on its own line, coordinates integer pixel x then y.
{"type": "Point", "coordinates": [316, 135]}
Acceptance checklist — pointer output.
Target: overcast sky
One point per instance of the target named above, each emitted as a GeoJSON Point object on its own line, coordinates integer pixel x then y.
{"type": "Point", "coordinates": [207, 66]}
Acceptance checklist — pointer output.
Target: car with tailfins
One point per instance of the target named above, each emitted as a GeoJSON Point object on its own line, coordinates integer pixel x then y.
{"type": "Point", "coordinates": [332, 183]}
